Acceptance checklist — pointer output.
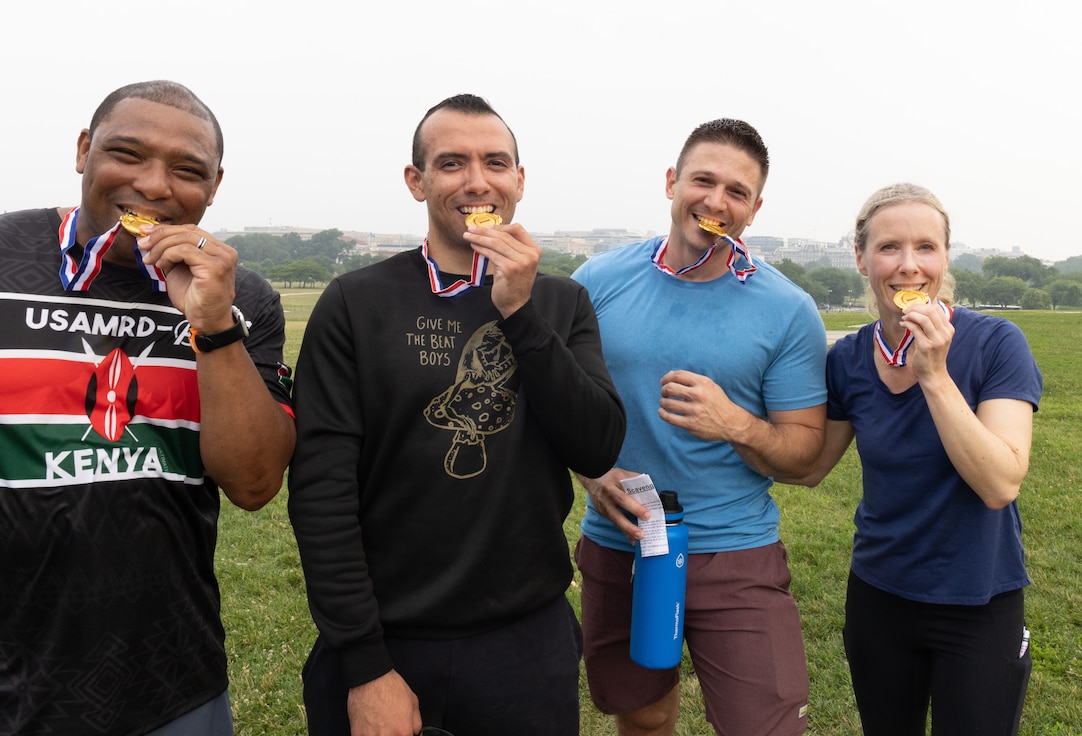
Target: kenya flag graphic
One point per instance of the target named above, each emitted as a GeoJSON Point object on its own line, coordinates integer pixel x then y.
{"type": "Point", "coordinates": [74, 418]}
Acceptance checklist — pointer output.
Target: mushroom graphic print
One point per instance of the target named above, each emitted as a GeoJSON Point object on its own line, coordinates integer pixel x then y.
{"type": "Point", "coordinates": [478, 403]}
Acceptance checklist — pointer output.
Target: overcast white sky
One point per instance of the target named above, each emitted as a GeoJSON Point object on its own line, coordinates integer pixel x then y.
{"type": "Point", "coordinates": [319, 99]}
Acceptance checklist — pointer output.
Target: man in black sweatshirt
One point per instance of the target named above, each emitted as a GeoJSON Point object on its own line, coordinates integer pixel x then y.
{"type": "Point", "coordinates": [441, 397]}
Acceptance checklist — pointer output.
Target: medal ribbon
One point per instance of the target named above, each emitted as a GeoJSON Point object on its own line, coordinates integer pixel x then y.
{"type": "Point", "coordinates": [477, 275]}
{"type": "Point", "coordinates": [737, 250]}
{"type": "Point", "coordinates": [77, 275]}
{"type": "Point", "coordinates": [155, 274]}
{"type": "Point", "coordinates": [897, 357]}
{"type": "Point", "coordinates": [659, 254]}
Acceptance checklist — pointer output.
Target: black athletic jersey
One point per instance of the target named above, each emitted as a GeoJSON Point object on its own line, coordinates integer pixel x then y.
{"type": "Point", "coordinates": [109, 608]}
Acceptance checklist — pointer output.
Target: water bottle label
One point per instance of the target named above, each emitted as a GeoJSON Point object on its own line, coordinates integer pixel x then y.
{"type": "Point", "coordinates": [680, 560]}
{"type": "Point", "coordinates": [655, 540]}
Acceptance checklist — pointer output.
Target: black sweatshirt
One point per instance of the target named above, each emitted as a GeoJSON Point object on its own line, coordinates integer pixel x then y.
{"type": "Point", "coordinates": [430, 481]}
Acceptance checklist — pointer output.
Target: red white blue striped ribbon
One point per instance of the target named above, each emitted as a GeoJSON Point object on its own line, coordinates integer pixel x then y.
{"type": "Point", "coordinates": [659, 254]}
{"type": "Point", "coordinates": [76, 274]}
{"type": "Point", "coordinates": [893, 357]}
{"type": "Point", "coordinates": [897, 357]}
{"type": "Point", "coordinates": [737, 249]}
{"type": "Point", "coordinates": [477, 275]}
{"type": "Point", "coordinates": [155, 274]}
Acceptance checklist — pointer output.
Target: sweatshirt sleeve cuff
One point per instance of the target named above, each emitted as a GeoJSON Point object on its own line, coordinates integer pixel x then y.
{"type": "Point", "coordinates": [365, 661]}
{"type": "Point", "coordinates": [526, 329]}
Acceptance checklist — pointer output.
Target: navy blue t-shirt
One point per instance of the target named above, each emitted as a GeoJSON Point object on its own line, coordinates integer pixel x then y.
{"type": "Point", "coordinates": [921, 532]}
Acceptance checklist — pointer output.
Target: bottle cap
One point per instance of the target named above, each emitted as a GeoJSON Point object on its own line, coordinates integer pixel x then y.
{"type": "Point", "coordinates": [670, 503]}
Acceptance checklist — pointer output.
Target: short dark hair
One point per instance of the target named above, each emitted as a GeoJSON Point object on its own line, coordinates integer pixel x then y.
{"type": "Point", "coordinates": [162, 92]}
{"type": "Point", "coordinates": [464, 103]}
{"type": "Point", "coordinates": [731, 132]}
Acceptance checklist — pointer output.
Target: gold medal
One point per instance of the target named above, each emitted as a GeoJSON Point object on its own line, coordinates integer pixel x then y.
{"type": "Point", "coordinates": [712, 226]}
{"type": "Point", "coordinates": [905, 297]}
{"type": "Point", "coordinates": [132, 223]}
{"type": "Point", "coordinates": [483, 219]}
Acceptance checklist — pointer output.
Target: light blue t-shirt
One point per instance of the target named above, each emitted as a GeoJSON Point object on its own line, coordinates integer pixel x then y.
{"type": "Point", "coordinates": [762, 341]}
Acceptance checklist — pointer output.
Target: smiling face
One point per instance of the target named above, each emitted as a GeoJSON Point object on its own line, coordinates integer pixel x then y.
{"type": "Point", "coordinates": [906, 248]}
{"type": "Point", "coordinates": [469, 166]}
{"type": "Point", "coordinates": [148, 159]}
{"type": "Point", "coordinates": [718, 182]}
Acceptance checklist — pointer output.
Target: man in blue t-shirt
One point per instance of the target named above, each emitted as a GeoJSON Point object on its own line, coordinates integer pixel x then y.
{"type": "Point", "coordinates": [720, 363]}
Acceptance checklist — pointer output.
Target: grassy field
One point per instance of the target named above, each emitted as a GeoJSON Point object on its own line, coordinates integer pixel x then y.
{"type": "Point", "coordinates": [269, 630]}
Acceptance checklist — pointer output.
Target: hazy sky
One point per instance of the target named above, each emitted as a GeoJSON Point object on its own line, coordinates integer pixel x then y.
{"type": "Point", "coordinates": [977, 101]}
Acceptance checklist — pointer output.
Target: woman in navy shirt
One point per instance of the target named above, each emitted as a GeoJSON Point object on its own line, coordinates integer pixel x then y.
{"type": "Point", "coordinates": [940, 400]}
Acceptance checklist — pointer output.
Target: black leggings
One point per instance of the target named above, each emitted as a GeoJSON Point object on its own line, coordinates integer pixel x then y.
{"type": "Point", "coordinates": [964, 659]}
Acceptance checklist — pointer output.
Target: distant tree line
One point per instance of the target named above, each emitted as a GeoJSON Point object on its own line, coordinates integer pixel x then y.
{"type": "Point", "coordinates": [995, 281]}
{"type": "Point", "coordinates": [294, 261]}
{"type": "Point", "coordinates": [299, 263]}
{"type": "Point", "coordinates": [1022, 281]}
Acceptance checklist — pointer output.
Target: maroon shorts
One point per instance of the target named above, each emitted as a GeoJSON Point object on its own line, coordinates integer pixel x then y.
{"type": "Point", "coordinates": [742, 630]}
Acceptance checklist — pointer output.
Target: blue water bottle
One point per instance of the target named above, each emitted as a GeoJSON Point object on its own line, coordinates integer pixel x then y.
{"type": "Point", "coordinates": [658, 589]}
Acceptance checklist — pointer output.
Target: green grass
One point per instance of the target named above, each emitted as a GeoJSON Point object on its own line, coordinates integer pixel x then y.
{"type": "Point", "coordinates": [269, 630]}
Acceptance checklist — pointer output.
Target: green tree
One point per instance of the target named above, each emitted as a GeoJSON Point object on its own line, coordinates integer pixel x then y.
{"type": "Point", "coordinates": [326, 243]}
{"type": "Point", "coordinates": [1065, 293]}
{"type": "Point", "coordinates": [969, 286]}
{"type": "Point", "coordinates": [302, 272]}
{"type": "Point", "coordinates": [326, 261]}
{"type": "Point", "coordinates": [967, 262]}
{"type": "Point", "coordinates": [817, 291]}
{"type": "Point", "coordinates": [1004, 290]}
{"type": "Point", "coordinates": [799, 276]}
{"type": "Point", "coordinates": [1027, 268]}
{"type": "Point", "coordinates": [256, 248]}
{"type": "Point", "coordinates": [791, 270]}
{"type": "Point", "coordinates": [841, 285]}
{"type": "Point", "coordinates": [1036, 299]}
{"type": "Point", "coordinates": [1071, 265]}
{"type": "Point", "coordinates": [262, 268]}
{"type": "Point", "coordinates": [557, 263]}
{"type": "Point", "coordinates": [293, 243]}
{"type": "Point", "coordinates": [1074, 296]}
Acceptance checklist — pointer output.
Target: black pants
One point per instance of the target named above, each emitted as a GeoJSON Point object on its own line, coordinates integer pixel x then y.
{"type": "Point", "coordinates": [522, 679]}
{"type": "Point", "coordinates": [964, 659]}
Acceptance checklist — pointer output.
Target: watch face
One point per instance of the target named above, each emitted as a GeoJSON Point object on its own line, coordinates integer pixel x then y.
{"type": "Point", "coordinates": [238, 317]}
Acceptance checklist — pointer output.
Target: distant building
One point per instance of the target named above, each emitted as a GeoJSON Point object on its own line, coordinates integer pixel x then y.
{"type": "Point", "coordinates": [763, 246]}
{"type": "Point", "coordinates": [588, 242]}
{"type": "Point", "coordinates": [960, 249]}
{"type": "Point", "coordinates": [815, 253]}
{"type": "Point", "coordinates": [305, 233]}
{"type": "Point", "coordinates": [368, 242]}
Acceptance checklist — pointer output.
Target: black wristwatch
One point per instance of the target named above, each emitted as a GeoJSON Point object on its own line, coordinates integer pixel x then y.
{"type": "Point", "coordinates": [206, 343]}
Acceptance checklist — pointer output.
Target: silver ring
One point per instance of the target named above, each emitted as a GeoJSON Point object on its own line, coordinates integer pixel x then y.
{"type": "Point", "coordinates": [201, 243]}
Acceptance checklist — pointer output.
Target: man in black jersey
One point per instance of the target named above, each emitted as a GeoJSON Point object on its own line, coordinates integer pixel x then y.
{"type": "Point", "coordinates": [142, 374]}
